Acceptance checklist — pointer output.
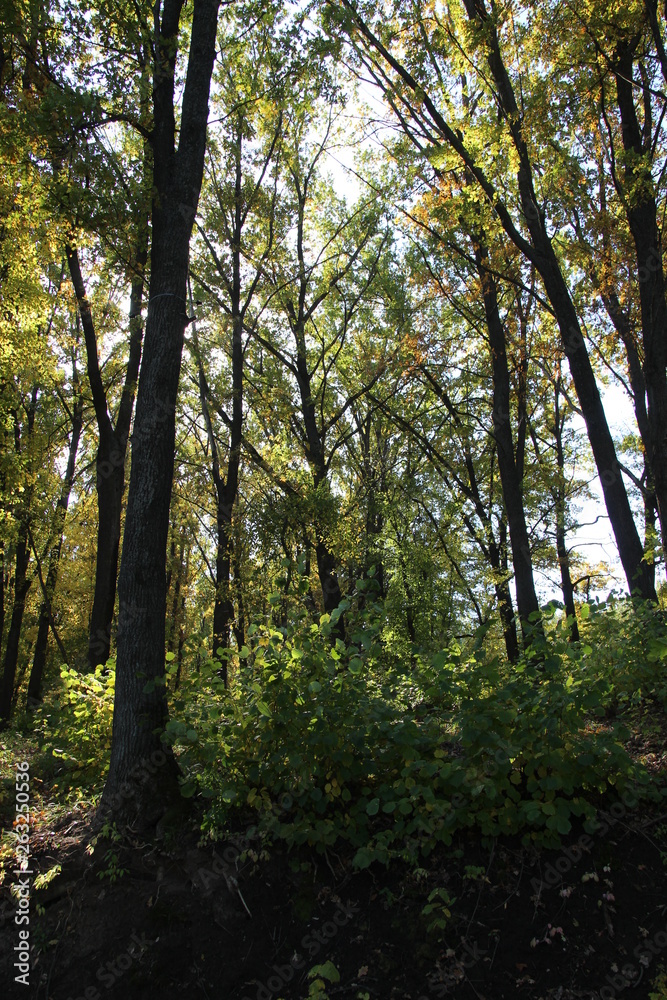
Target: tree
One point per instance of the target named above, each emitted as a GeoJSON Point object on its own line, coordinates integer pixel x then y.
{"type": "Point", "coordinates": [74, 411]}
{"type": "Point", "coordinates": [140, 709]}
{"type": "Point", "coordinates": [413, 95]}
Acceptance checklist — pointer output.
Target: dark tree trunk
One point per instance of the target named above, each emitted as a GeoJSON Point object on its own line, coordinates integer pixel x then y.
{"type": "Point", "coordinates": [10, 660]}
{"type": "Point", "coordinates": [223, 613]}
{"type": "Point", "coordinates": [110, 490]}
{"type": "Point", "coordinates": [239, 626]}
{"type": "Point", "coordinates": [314, 437]}
{"type": "Point", "coordinates": [177, 560]}
{"type": "Point", "coordinates": [561, 545]}
{"type": "Point", "coordinates": [21, 581]}
{"type": "Point", "coordinates": [140, 710]}
{"type": "Point", "coordinates": [497, 558]}
{"type": "Point", "coordinates": [526, 598]}
{"type": "Point", "coordinates": [649, 522]}
{"type": "Point", "coordinates": [540, 252]}
{"type": "Point", "coordinates": [542, 255]}
{"type": "Point", "coordinates": [642, 214]}
{"type": "Point", "coordinates": [2, 592]}
{"type": "Point", "coordinates": [46, 611]}
{"type": "Point", "coordinates": [373, 482]}
{"type": "Point", "coordinates": [544, 258]}
{"type": "Point", "coordinates": [226, 488]}
{"type": "Point", "coordinates": [111, 450]}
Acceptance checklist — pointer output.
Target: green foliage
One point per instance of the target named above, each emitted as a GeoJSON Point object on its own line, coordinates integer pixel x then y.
{"type": "Point", "coordinates": [74, 728]}
{"type": "Point", "coordinates": [318, 973]}
{"type": "Point", "coordinates": [438, 910]}
{"type": "Point", "coordinates": [321, 740]}
{"type": "Point", "coordinates": [659, 987]}
{"type": "Point", "coordinates": [113, 870]}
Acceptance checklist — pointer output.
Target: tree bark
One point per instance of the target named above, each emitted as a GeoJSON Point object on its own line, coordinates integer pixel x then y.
{"type": "Point", "coordinates": [140, 710]}
{"type": "Point", "coordinates": [10, 660]}
{"type": "Point", "coordinates": [561, 545]}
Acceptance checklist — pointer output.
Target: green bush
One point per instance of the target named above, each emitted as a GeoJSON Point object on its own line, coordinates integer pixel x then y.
{"type": "Point", "coordinates": [320, 741]}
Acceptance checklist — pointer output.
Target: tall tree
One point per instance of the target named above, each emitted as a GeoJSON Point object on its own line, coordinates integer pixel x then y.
{"type": "Point", "coordinates": [412, 91]}
{"type": "Point", "coordinates": [140, 708]}
{"type": "Point", "coordinates": [112, 445]}
{"type": "Point", "coordinates": [74, 410]}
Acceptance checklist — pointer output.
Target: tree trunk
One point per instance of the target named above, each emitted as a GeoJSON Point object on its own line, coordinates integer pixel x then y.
{"type": "Point", "coordinates": [110, 489]}
{"type": "Point", "coordinates": [540, 252]}
{"type": "Point", "coordinates": [22, 558]}
{"type": "Point", "coordinates": [140, 710]}
{"type": "Point", "coordinates": [111, 450]}
{"type": "Point", "coordinates": [561, 546]}
{"type": "Point", "coordinates": [497, 557]}
{"type": "Point", "coordinates": [2, 591]}
{"type": "Point", "coordinates": [642, 214]}
{"type": "Point", "coordinates": [46, 611]}
{"type": "Point", "coordinates": [543, 256]}
{"type": "Point", "coordinates": [526, 598]}
{"type": "Point", "coordinates": [10, 661]}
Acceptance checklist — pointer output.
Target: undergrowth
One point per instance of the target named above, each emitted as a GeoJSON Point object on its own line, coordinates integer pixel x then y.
{"type": "Point", "coordinates": [321, 739]}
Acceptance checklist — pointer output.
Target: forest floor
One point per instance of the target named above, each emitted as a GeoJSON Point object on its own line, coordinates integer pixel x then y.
{"type": "Point", "coordinates": [229, 922]}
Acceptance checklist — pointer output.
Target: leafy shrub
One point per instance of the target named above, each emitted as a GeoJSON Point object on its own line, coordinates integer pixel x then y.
{"type": "Point", "coordinates": [318, 742]}
{"type": "Point", "coordinates": [74, 725]}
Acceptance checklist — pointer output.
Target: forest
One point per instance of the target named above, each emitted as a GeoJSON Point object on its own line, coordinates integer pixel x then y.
{"type": "Point", "coordinates": [333, 499]}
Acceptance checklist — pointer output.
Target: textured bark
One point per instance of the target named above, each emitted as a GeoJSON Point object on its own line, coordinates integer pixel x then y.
{"type": "Point", "coordinates": [2, 592]}
{"type": "Point", "coordinates": [505, 606]}
{"type": "Point", "coordinates": [140, 710]}
{"type": "Point", "coordinates": [10, 660]}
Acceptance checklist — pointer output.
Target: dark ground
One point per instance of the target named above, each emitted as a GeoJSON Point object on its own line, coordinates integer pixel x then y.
{"type": "Point", "coordinates": [176, 924]}
{"type": "Point", "coordinates": [201, 922]}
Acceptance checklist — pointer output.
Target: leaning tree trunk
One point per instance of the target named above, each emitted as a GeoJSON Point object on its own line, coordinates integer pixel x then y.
{"type": "Point", "coordinates": [140, 709]}
{"type": "Point", "coordinates": [543, 256]}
